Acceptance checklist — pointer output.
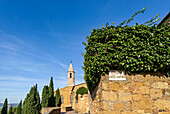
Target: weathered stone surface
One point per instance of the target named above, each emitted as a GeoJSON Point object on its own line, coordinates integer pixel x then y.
{"type": "Point", "coordinates": [111, 112]}
{"type": "Point", "coordinates": [128, 112]}
{"type": "Point", "coordinates": [139, 84]}
{"type": "Point", "coordinates": [147, 84]}
{"type": "Point", "coordinates": [105, 86]}
{"type": "Point", "coordinates": [145, 104]}
{"type": "Point", "coordinates": [125, 96]}
{"type": "Point", "coordinates": [140, 111]}
{"type": "Point", "coordinates": [164, 113]}
{"type": "Point", "coordinates": [119, 106]}
{"type": "Point", "coordinates": [109, 95]}
{"type": "Point", "coordinates": [138, 94]}
{"type": "Point", "coordinates": [167, 92]}
{"type": "Point", "coordinates": [144, 90]}
{"type": "Point", "coordinates": [114, 86]}
{"type": "Point", "coordinates": [148, 111]}
{"type": "Point", "coordinates": [161, 85]}
{"type": "Point", "coordinates": [141, 89]}
{"type": "Point", "coordinates": [105, 106]}
{"type": "Point", "coordinates": [155, 93]}
{"type": "Point", "coordinates": [137, 97]}
{"type": "Point", "coordinates": [162, 104]}
{"type": "Point", "coordinates": [131, 105]}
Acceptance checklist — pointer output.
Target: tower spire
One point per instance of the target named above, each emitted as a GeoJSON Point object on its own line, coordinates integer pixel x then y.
{"type": "Point", "coordinates": [70, 69]}
{"type": "Point", "coordinates": [71, 77]}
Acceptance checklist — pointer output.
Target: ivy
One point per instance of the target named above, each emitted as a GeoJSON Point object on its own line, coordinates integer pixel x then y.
{"type": "Point", "coordinates": [135, 49]}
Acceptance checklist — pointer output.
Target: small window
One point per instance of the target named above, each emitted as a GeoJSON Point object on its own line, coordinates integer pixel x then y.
{"type": "Point", "coordinates": [70, 75]}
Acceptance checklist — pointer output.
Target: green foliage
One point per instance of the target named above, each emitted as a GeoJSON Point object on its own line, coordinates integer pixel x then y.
{"type": "Point", "coordinates": [135, 49]}
{"type": "Point", "coordinates": [10, 110]}
{"type": "Point", "coordinates": [31, 104]}
{"type": "Point", "coordinates": [45, 96]}
{"type": "Point", "coordinates": [51, 100]}
{"type": "Point", "coordinates": [81, 91]}
{"type": "Point", "coordinates": [5, 107]}
{"type": "Point", "coordinates": [15, 109]}
{"type": "Point", "coordinates": [19, 109]}
{"type": "Point", "coordinates": [58, 98]}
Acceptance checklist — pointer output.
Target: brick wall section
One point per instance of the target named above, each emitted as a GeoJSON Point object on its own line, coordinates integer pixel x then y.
{"type": "Point", "coordinates": [139, 94]}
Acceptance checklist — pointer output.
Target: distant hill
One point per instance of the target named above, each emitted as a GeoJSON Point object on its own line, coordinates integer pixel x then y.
{"type": "Point", "coordinates": [13, 105]}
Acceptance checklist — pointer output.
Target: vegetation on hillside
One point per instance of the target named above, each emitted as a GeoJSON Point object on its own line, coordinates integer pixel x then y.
{"type": "Point", "coordinates": [10, 111]}
{"type": "Point", "coordinates": [135, 49]}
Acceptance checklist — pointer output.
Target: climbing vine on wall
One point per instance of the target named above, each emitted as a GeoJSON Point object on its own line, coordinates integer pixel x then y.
{"type": "Point", "coordinates": [135, 49]}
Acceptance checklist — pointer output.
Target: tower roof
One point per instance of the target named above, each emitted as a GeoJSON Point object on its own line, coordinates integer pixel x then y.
{"type": "Point", "coordinates": [70, 69]}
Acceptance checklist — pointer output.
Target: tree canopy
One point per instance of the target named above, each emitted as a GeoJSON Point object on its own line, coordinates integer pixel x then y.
{"type": "Point", "coordinates": [5, 107]}
{"type": "Point", "coordinates": [31, 104]}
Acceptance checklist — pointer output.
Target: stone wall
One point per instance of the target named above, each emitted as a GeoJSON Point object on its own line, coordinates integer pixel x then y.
{"type": "Point", "coordinates": [138, 94]}
{"type": "Point", "coordinates": [50, 110]}
{"type": "Point", "coordinates": [76, 87]}
{"type": "Point", "coordinates": [82, 105]}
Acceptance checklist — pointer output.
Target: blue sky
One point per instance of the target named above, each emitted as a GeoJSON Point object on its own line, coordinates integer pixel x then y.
{"type": "Point", "coordinates": [39, 38]}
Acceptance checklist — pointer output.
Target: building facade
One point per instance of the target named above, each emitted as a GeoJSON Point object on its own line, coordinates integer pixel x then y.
{"type": "Point", "coordinates": [68, 93]}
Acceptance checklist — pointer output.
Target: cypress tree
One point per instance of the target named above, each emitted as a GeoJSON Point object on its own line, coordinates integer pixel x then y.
{"type": "Point", "coordinates": [19, 108]}
{"type": "Point", "coordinates": [10, 110]}
{"type": "Point", "coordinates": [51, 100]}
{"type": "Point", "coordinates": [38, 105]}
{"type": "Point", "coordinates": [5, 107]}
{"type": "Point", "coordinates": [31, 103]}
{"type": "Point", "coordinates": [45, 96]}
{"type": "Point", "coordinates": [58, 98]}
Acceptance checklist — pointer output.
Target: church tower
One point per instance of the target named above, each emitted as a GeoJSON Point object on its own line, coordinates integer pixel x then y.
{"type": "Point", "coordinates": [71, 74]}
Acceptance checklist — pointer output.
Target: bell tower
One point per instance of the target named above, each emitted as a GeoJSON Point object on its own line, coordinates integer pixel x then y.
{"type": "Point", "coordinates": [71, 74]}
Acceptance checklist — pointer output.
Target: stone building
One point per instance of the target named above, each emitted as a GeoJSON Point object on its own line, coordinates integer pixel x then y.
{"type": "Point", "coordinates": [68, 93]}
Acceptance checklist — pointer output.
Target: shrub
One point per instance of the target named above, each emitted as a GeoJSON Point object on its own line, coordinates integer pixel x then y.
{"type": "Point", "coordinates": [81, 91]}
{"type": "Point", "coordinates": [135, 49]}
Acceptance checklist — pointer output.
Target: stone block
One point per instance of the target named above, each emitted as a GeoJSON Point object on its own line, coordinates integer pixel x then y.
{"type": "Point", "coordinates": [105, 86]}
{"type": "Point", "coordinates": [105, 106]}
{"type": "Point", "coordinates": [119, 106]}
{"type": "Point", "coordinates": [125, 96]}
{"type": "Point", "coordinates": [140, 111]}
{"type": "Point", "coordinates": [144, 90]}
{"type": "Point", "coordinates": [145, 104]}
{"type": "Point", "coordinates": [148, 111]}
{"type": "Point", "coordinates": [139, 84]}
{"type": "Point", "coordinates": [155, 93]}
{"type": "Point", "coordinates": [162, 104]}
{"type": "Point", "coordinates": [164, 113]}
{"type": "Point", "coordinates": [111, 112]}
{"type": "Point", "coordinates": [132, 105]}
{"type": "Point", "coordinates": [167, 92]}
{"type": "Point", "coordinates": [141, 89]}
{"type": "Point", "coordinates": [129, 112]}
{"type": "Point", "coordinates": [161, 85]}
{"type": "Point", "coordinates": [114, 86]}
{"type": "Point", "coordinates": [147, 84]}
{"type": "Point", "coordinates": [137, 97]}
{"type": "Point", "coordinates": [109, 95]}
